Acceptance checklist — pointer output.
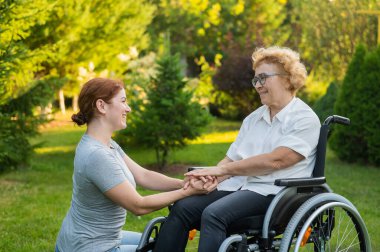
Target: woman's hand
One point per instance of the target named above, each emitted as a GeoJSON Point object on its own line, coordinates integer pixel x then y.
{"type": "Point", "coordinates": [215, 171]}
{"type": "Point", "coordinates": [198, 186]}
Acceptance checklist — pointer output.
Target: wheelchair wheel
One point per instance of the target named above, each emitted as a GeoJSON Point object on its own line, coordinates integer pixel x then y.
{"type": "Point", "coordinates": [326, 222]}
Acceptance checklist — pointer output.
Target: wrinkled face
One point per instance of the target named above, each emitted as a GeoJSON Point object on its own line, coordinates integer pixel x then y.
{"type": "Point", "coordinates": [117, 111]}
{"type": "Point", "coordinates": [275, 91]}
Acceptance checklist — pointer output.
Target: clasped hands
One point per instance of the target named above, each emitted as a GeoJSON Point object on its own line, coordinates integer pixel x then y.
{"type": "Point", "coordinates": [204, 183]}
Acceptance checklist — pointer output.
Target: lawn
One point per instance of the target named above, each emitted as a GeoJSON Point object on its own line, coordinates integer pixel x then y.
{"type": "Point", "coordinates": [35, 200]}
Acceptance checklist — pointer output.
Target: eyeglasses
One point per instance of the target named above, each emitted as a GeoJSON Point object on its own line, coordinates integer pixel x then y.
{"type": "Point", "coordinates": [262, 77]}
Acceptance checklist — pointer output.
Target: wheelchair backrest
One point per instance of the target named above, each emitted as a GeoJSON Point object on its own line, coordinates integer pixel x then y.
{"type": "Point", "coordinates": [319, 168]}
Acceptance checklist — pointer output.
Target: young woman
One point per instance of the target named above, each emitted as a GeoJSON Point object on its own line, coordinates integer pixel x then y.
{"type": "Point", "coordinates": [105, 178]}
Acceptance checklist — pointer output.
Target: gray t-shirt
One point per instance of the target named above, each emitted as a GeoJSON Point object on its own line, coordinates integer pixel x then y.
{"type": "Point", "coordinates": [94, 222]}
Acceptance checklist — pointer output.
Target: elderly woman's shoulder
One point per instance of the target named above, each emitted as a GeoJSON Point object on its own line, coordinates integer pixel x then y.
{"type": "Point", "coordinates": [303, 111]}
{"type": "Point", "coordinates": [256, 113]}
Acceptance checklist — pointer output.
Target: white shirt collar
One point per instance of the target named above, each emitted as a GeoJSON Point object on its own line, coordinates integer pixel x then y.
{"type": "Point", "coordinates": [280, 115]}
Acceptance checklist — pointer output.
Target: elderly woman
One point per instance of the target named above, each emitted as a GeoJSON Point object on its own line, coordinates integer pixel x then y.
{"type": "Point", "coordinates": [277, 140]}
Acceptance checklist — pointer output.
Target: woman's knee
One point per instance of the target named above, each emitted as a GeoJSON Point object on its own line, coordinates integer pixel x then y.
{"type": "Point", "coordinates": [181, 206]}
{"type": "Point", "coordinates": [212, 215]}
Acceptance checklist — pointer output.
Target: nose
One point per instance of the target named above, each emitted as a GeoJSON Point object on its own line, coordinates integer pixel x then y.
{"type": "Point", "coordinates": [127, 108]}
{"type": "Point", "coordinates": [258, 86]}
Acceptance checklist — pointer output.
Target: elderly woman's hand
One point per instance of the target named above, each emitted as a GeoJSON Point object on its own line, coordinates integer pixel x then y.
{"type": "Point", "coordinates": [200, 186]}
{"type": "Point", "coordinates": [208, 183]}
{"type": "Point", "coordinates": [215, 171]}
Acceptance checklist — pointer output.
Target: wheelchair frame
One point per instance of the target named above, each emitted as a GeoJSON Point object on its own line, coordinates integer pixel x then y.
{"type": "Point", "coordinates": [309, 226]}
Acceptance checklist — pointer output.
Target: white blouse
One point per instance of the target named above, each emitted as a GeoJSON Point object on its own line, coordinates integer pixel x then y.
{"type": "Point", "coordinates": [296, 127]}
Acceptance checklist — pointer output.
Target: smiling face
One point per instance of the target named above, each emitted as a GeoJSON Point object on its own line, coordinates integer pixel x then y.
{"type": "Point", "coordinates": [275, 92]}
{"type": "Point", "coordinates": [117, 111]}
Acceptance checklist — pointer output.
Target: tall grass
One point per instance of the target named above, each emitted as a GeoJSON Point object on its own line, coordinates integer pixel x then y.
{"type": "Point", "coordinates": [34, 201]}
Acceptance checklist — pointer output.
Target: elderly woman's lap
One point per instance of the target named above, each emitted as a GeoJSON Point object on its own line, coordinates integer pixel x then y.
{"type": "Point", "coordinates": [220, 214]}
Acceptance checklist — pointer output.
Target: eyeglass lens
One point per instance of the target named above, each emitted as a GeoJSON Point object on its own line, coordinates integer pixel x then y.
{"type": "Point", "coordinates": [260, 79]}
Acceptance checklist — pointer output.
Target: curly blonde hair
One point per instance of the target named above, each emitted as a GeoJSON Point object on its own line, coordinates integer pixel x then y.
{"type": "Point", "coordinates": [285, 57]}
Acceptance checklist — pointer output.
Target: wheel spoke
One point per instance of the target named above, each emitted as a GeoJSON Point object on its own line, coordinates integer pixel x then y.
{"type": "Point", "coordinates": [332, 222]}
{"type": "Point", "coordinates": [344, 235]}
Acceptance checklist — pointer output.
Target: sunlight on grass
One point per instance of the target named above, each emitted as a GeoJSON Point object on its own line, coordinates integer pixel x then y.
{"type": "Point", "coordinates": [54, 149]}
{"type": "Point", "coordinates": [218, 137]}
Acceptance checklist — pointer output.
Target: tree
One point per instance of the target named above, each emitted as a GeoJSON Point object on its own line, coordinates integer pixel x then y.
{"type": "Point", "coordinates": [327, 33]}
{"type": "Point", "coordinates": [370, 104]}
{"type": "Point", "coordinates": [213, 27]}
{"type": "Point", "coordinates": [43, 45]}
{"type": "Point", "coordinates": [227, 28]}
{"type": "Point", "coordinates": [97, 33]}
{"type": "Point", "coordinates": [18, 62]}
{"type": "Point", "coordinates": [324, 106]}
{"type": "Point", "coordinates": [359, 100]}
{"type": "Point", "coordinates": [20, 93]}
{"type": "Point", "coordinates": [236, 97]}
{"type": "Point", "coordinates": [170, 116]}
{"type": "Point", "coordinates": [348, 140]}
{"type": "Point", "coordinates": [18, 122]}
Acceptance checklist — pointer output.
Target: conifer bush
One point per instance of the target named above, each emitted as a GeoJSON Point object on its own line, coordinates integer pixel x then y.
{"type": "Point", "coordinates": [18, 123]}
{"type": "Point", "coordinates": [324, 106]}
{"type": "Point", "coordinates": [170, 116]}
{"type": "Point", "coordinates": [359, 100]}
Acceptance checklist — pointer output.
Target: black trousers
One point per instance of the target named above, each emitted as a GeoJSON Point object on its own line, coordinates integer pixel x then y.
{"type": "Point", "coordinates": [211, 214]}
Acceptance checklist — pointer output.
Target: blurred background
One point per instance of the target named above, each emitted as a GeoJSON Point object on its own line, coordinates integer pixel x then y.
{"type": "Point", "coordinates": [187, 69]}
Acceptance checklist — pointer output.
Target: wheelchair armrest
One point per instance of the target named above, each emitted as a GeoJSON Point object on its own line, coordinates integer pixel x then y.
{"type": "Point", "coordinates": [300, 181]}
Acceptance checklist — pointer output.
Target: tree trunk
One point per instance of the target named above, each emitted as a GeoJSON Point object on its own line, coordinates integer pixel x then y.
{"type": "Point", "coordinates": [46, 111]}
{"type": "Point", "coordinates": [158, 158]}
{"type": "Point", "coordinates": [164, 158]}
{"type": "Point", "coordinates": [62, 102]}
{"type": "Point", "coordinates": [75, 103]}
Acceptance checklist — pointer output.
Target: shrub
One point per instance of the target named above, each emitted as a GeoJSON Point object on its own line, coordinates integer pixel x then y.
{"type": "Point", "coordinates": [370, 104]}
{"type": "Point", "coordinates": [359, 100]}
{"type": "Point", "coordinates": [170, 116]}
{"type": "Point", "coordinates": [18, 123]}
{"type": "Point", "coordinates": [235, 97]}
{"type": "Point", "coordinates": [324, 106]}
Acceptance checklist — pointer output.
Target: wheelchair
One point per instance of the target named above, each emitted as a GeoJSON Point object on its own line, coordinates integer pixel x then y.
{"type": "Point", "coordinates": [304, 216]}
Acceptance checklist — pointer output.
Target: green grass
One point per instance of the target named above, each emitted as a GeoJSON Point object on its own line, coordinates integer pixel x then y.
{"type": "Point", "coordinates": [34, 201]}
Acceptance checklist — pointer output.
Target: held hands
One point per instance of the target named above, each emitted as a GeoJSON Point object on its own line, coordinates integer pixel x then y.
{"type": "Point", "coordinates": [200, 185]}
{"type": "Point", "coordinates": [215, 171]}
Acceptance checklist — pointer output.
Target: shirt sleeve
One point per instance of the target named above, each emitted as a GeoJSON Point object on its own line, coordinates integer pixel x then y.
{"type": "Point", "coordinates": [301, 135]}
{"type": "Point", "coordinates": [104, 170]}
{"type": "Point", "coordinates": [118, 148]}
{"type": "Point", "coordinates": [232, 151]}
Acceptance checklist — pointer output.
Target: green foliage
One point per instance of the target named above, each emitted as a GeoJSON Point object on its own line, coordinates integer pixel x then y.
{"type": "Point", "coordinates": [18, 62]}
{"type": "Point", "coordinates": [18, 123]}
{"type": "Point", "coordinates": [359, 99]}
{"type": "Point", "coordinates": [137, 80]}
{"type": "Point", "coordinates": [324, 106]}
{"type": "Point", "coordinates": [236, 97]}
{"type": "Point", "coordinates": [92, 35]}
{"type": "Point", "coordinates": [348, 142]}
{"type": "Point", "coordinates": [45, 43]}
{"type": "Point", "coordinates": [327, 32]}
{"type": "Point", "coordinates": [228, 28]}
{"type": "Point", "coordinates": [170, 116]}
{"type": "Point", "coordinates": [19, 65]}
{"type": "Point", "coordinates": [215, 26]}
{"type": "Point", "coordinates": [204, 90]}
{"type": "Point", "coordinates": [371, 103]}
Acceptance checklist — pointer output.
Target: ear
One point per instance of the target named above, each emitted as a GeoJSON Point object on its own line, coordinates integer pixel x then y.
{"type": "Point", "coordinates": [101, 106]}
{"type": "Point", "coordinates": [288, 86]}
